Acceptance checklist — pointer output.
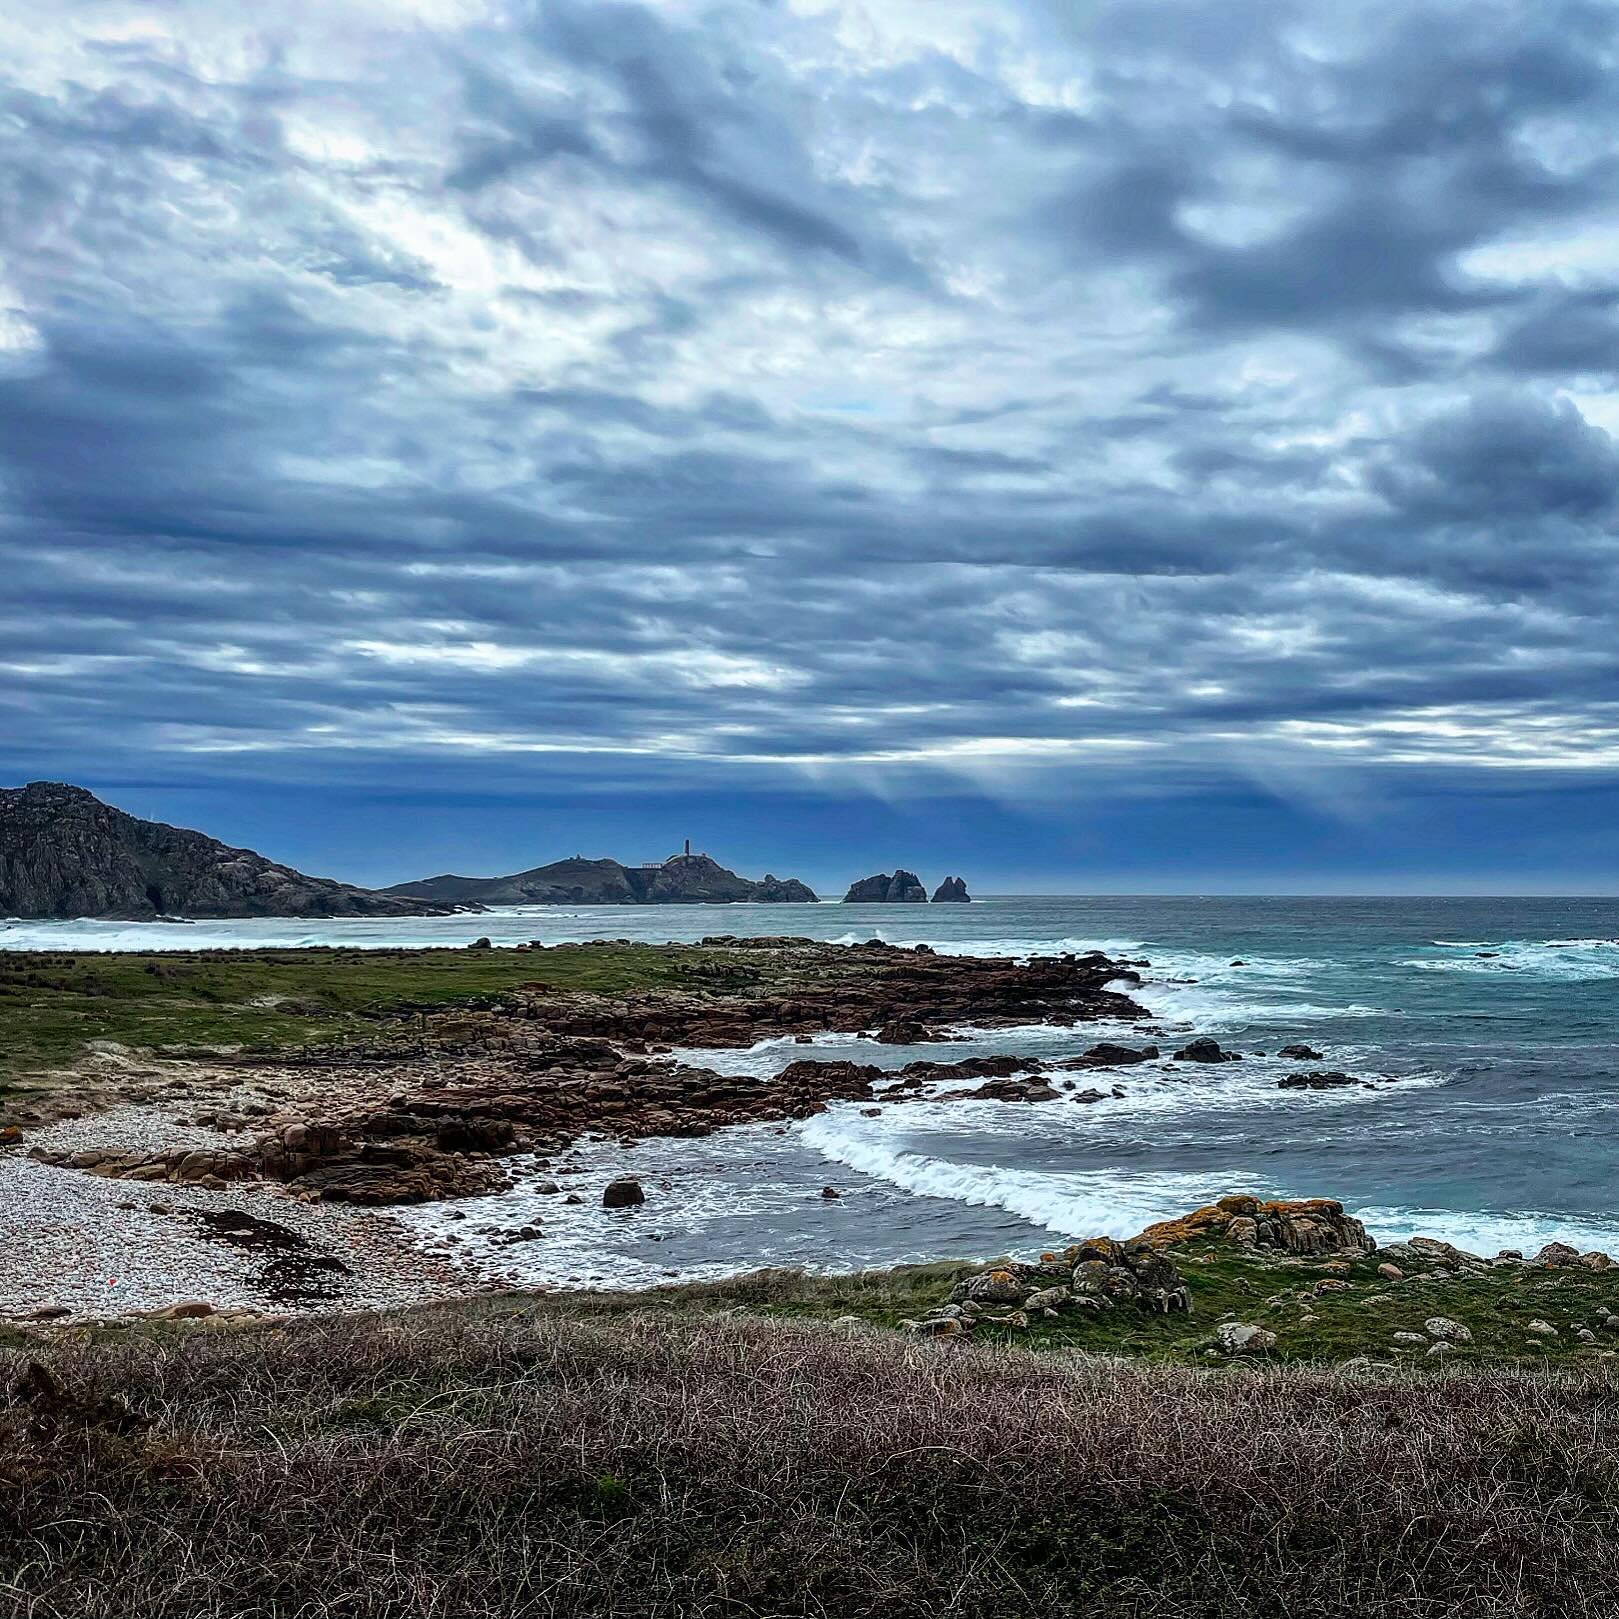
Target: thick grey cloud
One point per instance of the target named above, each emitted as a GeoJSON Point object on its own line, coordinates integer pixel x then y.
{"type": "Point", "coordinates": [666, 390]}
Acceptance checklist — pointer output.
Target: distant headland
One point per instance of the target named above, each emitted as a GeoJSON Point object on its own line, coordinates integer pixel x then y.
{"type": "Point", "coordinates": [682, 879]}
{"type": "Point", "coordinates": [64, 853]}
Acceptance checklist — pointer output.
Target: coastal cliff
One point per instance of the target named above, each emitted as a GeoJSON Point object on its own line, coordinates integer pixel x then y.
{"type": "Point", "coordinates": [684, 879]}
{"type": "Point", "coordinates": [64, 853]}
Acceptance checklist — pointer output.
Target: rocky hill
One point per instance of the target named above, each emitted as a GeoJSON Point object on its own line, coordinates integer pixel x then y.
{"type": "Point", "coordinates": [64, 853]}
{"type": "Point", "coordinates": [690, 879]}
{"type": "Point", "coordinates": [952, 891]}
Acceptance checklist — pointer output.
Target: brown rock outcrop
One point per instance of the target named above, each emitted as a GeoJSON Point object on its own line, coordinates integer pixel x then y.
{"type": "Point", "coordinates": [1316, 1225]}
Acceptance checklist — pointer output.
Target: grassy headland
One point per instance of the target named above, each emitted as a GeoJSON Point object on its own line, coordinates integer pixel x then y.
{"type": "Point", "coordinates": [52, 1005]}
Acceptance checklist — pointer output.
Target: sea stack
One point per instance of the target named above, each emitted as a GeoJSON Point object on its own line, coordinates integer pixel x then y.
{"type": "Point", "coordinates": [903, 888]}
{"type": "Point", "coordinates": [952, 891]}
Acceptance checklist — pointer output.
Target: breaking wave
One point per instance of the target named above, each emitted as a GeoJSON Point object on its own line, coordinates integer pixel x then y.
{"type": "Point", "coordinates": [1092, 1203]}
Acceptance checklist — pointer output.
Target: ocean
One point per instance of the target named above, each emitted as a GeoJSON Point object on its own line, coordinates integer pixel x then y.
{"type": "Point", "coordinates": [1489, 1029]}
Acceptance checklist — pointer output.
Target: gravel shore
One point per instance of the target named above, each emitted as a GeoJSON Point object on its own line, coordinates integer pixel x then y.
{"type": "Point", "coordinates": [101, 1248]}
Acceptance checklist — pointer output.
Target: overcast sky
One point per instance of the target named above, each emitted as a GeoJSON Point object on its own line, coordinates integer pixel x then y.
{"type": "Point", "coordinates": [1124, 445]}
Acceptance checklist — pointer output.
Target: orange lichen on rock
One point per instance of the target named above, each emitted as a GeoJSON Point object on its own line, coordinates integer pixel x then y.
{"type": "Point", "coordinates": [1311, 1225]}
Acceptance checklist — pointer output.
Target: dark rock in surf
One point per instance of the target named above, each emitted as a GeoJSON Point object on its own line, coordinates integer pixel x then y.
{"type": "Point", "coordinates": [906, 1032]}
{"type": "Point", "coordinates": [1206, 1050]}
{"type": "Point", "coordinates": [1318, 1080]}
{"type": "Point", "coordinates": [1107, 1055]}
{"type": "Point", "coordinates": [952, 891]}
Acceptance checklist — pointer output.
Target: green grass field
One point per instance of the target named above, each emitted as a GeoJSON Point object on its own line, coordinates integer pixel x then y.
{"type": "Point", "coordinates": [1225, 1282]}
{"type": "Point", "coordinates": [53, 1005]}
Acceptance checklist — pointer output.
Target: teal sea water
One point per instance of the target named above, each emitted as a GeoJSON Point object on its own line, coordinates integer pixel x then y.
{"type": "Point", "coordinates": [1490, 1028]}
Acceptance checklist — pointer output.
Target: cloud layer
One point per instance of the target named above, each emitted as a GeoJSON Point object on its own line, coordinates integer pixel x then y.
{"type": "Point", "coordinates": [1009, 389]}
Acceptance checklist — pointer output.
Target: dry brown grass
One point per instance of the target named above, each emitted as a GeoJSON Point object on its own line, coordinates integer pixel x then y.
{"type": "Point", "coordinates": [503, 1460]}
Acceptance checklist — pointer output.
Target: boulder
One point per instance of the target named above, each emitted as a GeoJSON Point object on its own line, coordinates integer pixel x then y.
{"type": "Point", "coordinates": [1243, 1338]}
{"type": "Point", "coordinates": [1308, 1226]}
{"type": "Point", "coordinates": [1005, 1090]}
{"type": "Point", "coordinates": [1128, 1272]}
{"type": "Point", "coordinates": [1317, 1080]}
{"type": "Point", "coordinates": [1206, 1050]}
{"type": "Point", "coordinates": [905, 1032]}
{"type": "Point", "coordinates": [624, 1193]}
{"type": "Point", "coordinates": [1049, 1298]}
{"type": "Point", "coordinates": [1300, 1053]}
{"type": "Point", "coordinates": [1448, 1331]}
{"type": "Point", "coordinates": [1107, 1055]}
{"type": "Point", "coordinates": [1557, 1256]}
{"type": "Point", "coordinates": [943, 1326]}
{"type": "Point", "coordinates": [1001, 1284]}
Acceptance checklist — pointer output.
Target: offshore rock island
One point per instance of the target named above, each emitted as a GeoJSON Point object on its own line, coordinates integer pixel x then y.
{"type": "Point", "coordinates": [905, 888]}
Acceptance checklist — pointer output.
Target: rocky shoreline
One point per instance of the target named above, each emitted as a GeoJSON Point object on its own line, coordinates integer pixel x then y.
{"type": "Point", "coordinates": [435, 1117]}
{"type": "Point", "coordinates": [442, 1102]}
{"type": "Point", "coordinates": [252, 1188]}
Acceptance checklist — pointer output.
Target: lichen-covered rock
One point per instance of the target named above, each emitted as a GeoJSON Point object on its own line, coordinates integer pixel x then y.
{"type": "Point", "coordinates": [943, 1326]}
{"type": "Point", "coordinates": [1243, 1338]}
{"type": "Point", "coordinates": [1101, 1273]}
{"type": "Point", "coordinates": [1557, 1256]}
{"type": "Point", "coordinates": [1002, 1284]}
{"type": "Point", "coordinates": [1049, 1298]}
{"type": "Point", "coordinates": [1447, 1330]}
{"type": "Point", "coordinates": [1304, 1226]}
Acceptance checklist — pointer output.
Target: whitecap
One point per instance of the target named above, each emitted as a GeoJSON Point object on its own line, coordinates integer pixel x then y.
{"type": "Point", "coordinates": [1489, 1231]}
{"type": "Point", "coordinates": [1077, 1204]}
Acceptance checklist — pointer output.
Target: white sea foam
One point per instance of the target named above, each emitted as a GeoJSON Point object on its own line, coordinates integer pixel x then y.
{"type": "Point", "coordinates": [1092, 1203]}
{"type": "Point", "coordinates": [1216, 1008]}
{"type": "Point", "coordinates": [1562, 960]}
{"type": "Point", "coordinates": [1489, 1232]}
